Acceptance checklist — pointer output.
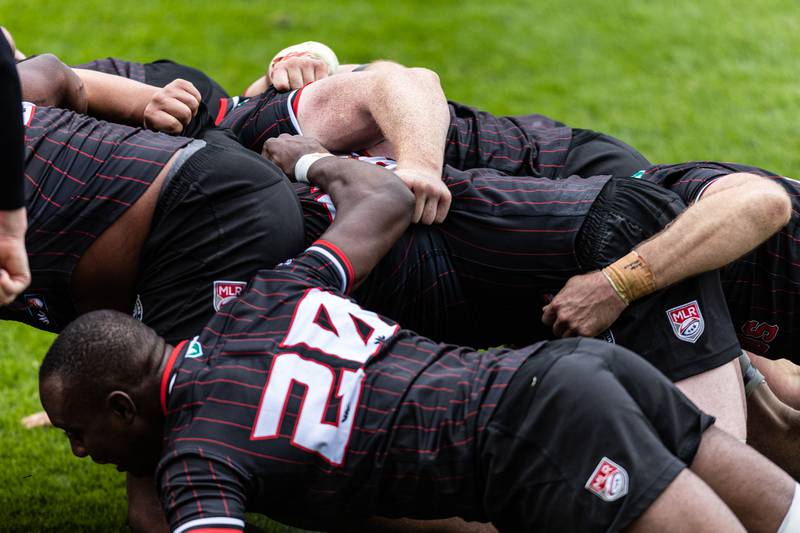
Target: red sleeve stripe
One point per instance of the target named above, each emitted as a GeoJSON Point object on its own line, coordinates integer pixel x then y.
{"type": "Point", "coordinates": [166, 374]}
{"type": "Point", "coordinates": [199, 525]}
{"type": "Point", "coordinates": [223, 110]}
{"type": "Point", "coordinates": [293, 101]}
{"type": "Point", "coordinates": [342, 257]}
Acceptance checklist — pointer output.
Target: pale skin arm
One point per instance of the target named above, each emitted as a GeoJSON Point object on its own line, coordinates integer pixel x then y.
{"type": "Point", "coordinates": [735, 214]}
{"type": "Point", "coordinates": [406, 107]}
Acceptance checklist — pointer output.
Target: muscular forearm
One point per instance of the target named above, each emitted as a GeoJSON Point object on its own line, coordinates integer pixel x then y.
{"type": "Point", "coordinates": [411, 111]}
{"type": "Point", "coordinates": [373, 208]}
{"type": "Point", "coordinates": [736, 214]}
{"type": "Point", "coordinates": [116, 98]}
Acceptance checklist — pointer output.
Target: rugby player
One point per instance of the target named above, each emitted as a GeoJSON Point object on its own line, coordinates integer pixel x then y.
{"type": "Point", "coordinates": [244, 416]}
{"type": "Point", "coordinates": [14, 271]}
{"type": "Point", "coordinates": [523, 145]}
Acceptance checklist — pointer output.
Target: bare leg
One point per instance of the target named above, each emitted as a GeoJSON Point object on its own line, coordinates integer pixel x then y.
{"type": "Point", "coordinates": [783, 377]}
{"type": "Point", "coordinates": [687, 506]}
{"type": "Point", "coordinates": [720, 392]}
{"type": "Point", "coordinates": [754, 488]}
{"type": "Point", "coordinates": [773, 428]}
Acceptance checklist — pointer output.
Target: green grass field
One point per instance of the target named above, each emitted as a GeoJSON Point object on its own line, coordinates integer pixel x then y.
{"type": "Point", "coordinates": [678, 79]}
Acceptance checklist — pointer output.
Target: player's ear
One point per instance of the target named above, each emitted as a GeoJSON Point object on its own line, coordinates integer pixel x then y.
{"type": "Point", "coordinates": [121, 405]}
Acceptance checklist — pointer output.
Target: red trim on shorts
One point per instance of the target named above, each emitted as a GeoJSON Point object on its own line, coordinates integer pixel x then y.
{"type": "Point", "coordinates": [167, 372]}
{"type": "Point", "coordinates": [343, 258]}
{"type": "Point", "coordinates": [223, 110]}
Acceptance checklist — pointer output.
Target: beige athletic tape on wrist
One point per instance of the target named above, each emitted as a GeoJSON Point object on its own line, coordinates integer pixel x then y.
{"type": "Point", "coordinates": [311, 48]}
{"type": "Point", "coordinates": [305, 162]}
{"type": "Point", "coordinates": [630, 277]}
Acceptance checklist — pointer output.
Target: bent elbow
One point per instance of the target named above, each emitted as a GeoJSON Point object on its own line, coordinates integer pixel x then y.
{"type": "Point", "coordinates": [776, 205]}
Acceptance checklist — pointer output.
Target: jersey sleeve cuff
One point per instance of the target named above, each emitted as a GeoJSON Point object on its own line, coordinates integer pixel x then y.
{"type": "Point", "coordinates": [340, 261]}
{"type": "Point", "coordinates": [292, 103]}
{"type": "Point", "coordinates": [222, 524]}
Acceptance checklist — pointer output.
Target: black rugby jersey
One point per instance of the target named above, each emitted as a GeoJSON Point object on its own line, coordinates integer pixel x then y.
{"type": "Point", "coordinates": [81, 175]}
{"type": "Point", "coordinates": [762, 289]}
{"type": "Point", "coordinates": [162, 72]}
{"type": "Point", "coordinates": [529, 145]}
{"type": "Point", "coordinates": [297, 403]}
{"type": "Point", "coordinates": [482, 276]}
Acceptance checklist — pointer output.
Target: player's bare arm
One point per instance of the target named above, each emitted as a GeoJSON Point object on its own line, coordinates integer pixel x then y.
{"type": "Point", "coordinates": [407, 107]}
{"type": "Point", "coordinates": [119, 99]}
{"type": "Point", "coordinates": [373, 206]}
{"type": "Point", "coordinates": [735, 214]}
{"type": "Point", "coordinates": [47, 81]}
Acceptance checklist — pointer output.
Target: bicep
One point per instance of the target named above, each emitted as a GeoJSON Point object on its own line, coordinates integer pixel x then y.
{"type": "Point", "coordinates": [335, 111]}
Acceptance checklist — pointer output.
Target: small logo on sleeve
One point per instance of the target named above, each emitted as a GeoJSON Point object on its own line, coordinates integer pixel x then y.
{"type": "Point", "coordinates": [37, 309]}
{"type": "Point", "coordinates": [609, 481]}
{"type": "Point", "coordinates": [225, 291]}
{"type": "Point", "coordinates": [195, 349]}
{"type": "Point", "coordinates": [687, 321]}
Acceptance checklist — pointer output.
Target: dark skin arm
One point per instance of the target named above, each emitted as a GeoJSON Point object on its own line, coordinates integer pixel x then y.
{"type": "Point", "coordinates": [47, 81]}
{"type": "Point", "coordinates": [373, 206]}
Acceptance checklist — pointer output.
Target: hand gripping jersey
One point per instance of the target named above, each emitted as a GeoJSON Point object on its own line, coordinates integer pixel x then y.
{"type": "Point", "coordinates": [159, 74]}
{"type": "Point", "coordinates": [296, 402]}
{"type": "Point", "coordinates": [81, 175]}
{"type": "Point", "coordinates": [762, 289]}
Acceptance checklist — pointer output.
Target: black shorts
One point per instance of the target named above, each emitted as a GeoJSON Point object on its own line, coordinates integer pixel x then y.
{"type": "Point", "coordinates": [586, 438]}
{"type": "Point", "coordinates": [592, 153]}
{"type": "Point", "coordinates": [682, 330]}
{"type": "Point", "coordinates": [225, 214]}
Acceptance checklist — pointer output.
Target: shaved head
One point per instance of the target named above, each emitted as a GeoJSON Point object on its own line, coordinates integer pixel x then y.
{"type": "Point", "coordinates": [99, 352]}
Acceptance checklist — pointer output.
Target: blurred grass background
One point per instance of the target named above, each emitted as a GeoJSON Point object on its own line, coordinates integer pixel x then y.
{"type": "Point", "coordinates": [678, 79]}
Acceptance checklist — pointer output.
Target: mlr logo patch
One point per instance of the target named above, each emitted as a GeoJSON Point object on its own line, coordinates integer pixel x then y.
{"type": "Point", "coordinates": [687, 321]}
{"type": "Point", "coordinates": [609, 481]}
{"type": "Point", "coordinates": [225, 291]}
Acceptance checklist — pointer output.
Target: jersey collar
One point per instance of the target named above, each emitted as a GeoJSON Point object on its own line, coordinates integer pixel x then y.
{"type": "Point", "coordinates": [165, 377]}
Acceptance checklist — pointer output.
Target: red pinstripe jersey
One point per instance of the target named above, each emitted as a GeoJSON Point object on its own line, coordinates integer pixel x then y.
{"type": "Point", "coordinates": [297, 403]}
{"type": "Point", "coordinates": [762, 289]}
{"type": "Point", "coordinates": [81, 175]}
{"type": "Point", "coordinates": [482, 276]}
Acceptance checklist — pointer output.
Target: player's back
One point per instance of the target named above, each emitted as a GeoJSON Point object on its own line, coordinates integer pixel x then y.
{"type": "Point", "coordinates": [81, 175]}
{"type": "Point", "coordinates": [311, 406]}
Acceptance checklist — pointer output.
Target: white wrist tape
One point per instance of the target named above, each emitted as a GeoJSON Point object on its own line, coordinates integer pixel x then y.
{"type": "Point", "coordinates": [318, 50]}
{"type": "Point", "coordinates": [304, 163]}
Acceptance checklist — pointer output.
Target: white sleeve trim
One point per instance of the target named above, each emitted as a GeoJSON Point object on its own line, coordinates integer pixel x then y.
{"type": "Point", "coordinates": [336, 261]}
{"type": "Point", "coordinates": [222, 520]}
{"type": "Point", "coordinates": [702, 191]}
{"type": "Point", "coordinates": [27, 113]}
{"type": "Point", "coordinates": [292, 116]}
